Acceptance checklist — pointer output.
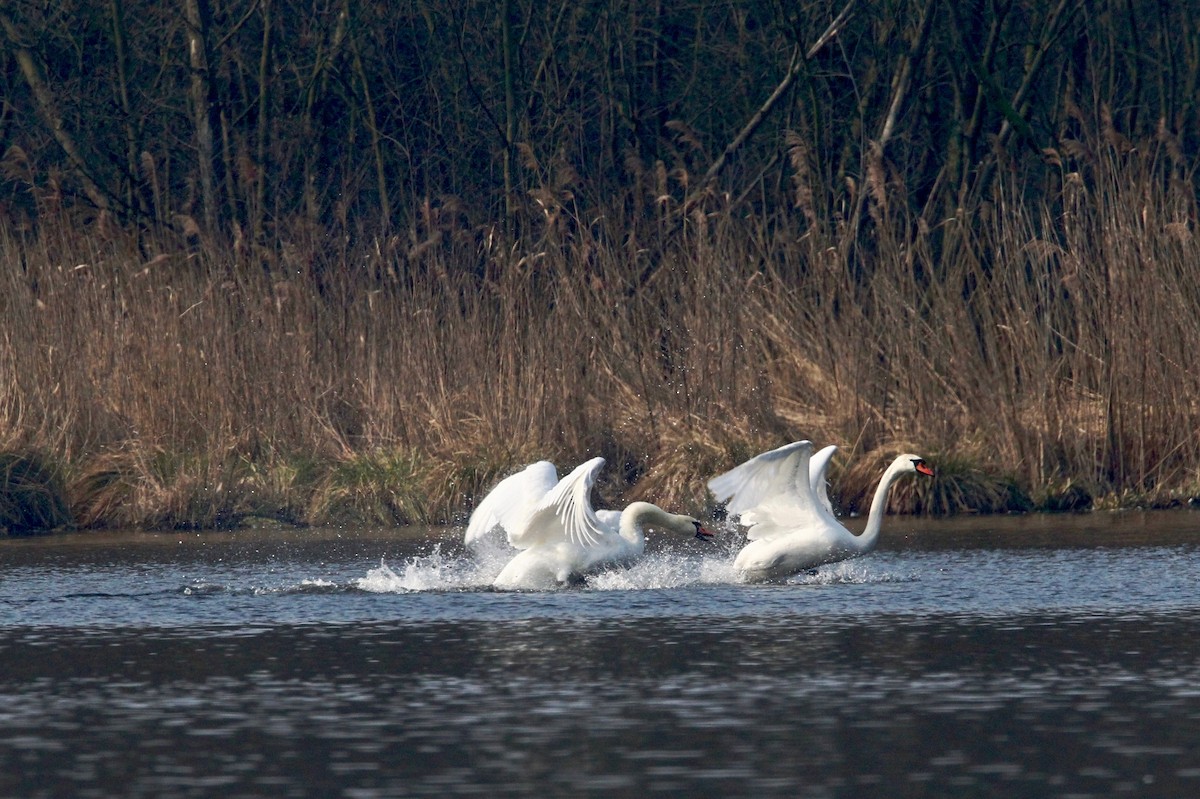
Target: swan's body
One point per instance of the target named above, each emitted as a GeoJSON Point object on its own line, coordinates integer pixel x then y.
{"type": "Point", "coordinates": [560, 535]}
{"type": "Point", "coordinates": [791, 529]}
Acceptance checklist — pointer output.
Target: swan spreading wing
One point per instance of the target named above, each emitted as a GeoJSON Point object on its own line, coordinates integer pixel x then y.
{"type": "Point", "coordinates": [514, 499]}
{"type": "Point", "coordinates": [773, 474]}
{"type": "Point", "coordinates": [794, 505]}
{"type": "Point", "coordinates": [794, 530]}
{"type": "Point", "coordinates": [749, 483]}
{"type": "Point", "coordinates": [565, 513]}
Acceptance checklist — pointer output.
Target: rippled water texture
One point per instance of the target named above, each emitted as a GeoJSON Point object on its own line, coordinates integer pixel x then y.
{"type": "Point", "coordinates": [1038, 656]}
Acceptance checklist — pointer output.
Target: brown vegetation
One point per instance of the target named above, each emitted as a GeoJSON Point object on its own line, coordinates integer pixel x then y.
{"type": "Point", "coordinates": [185, 389]}
{"type": "Point", "coordinates": [31, 496]}
{"type": "Point", "coordinates": [400, 252]}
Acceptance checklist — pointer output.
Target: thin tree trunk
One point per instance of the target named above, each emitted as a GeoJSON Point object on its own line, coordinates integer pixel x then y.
{"type": "Point", "coordinates": [48, 109]}
{"type": "Point", "coordinates": [385, 206]}
{"type": "Point", "coordinates": [197, 16]}
{"type": "Point", "coordinates": [317, 84]}
{"type": "Point", "coordinates": [510, 114]}
{"type": "Point", "coordinates": [260, 155]}
{"type": "Point", "coordinates": [793, 70]}
{"type": "Point", "coordinates": [131, 145]}
{"type": "Point", "coordinates": [1015, 110]}
{"type": "Point", "coordinates": [1056, 22]}
{"type": "Point", "coordinates": [904, 75]}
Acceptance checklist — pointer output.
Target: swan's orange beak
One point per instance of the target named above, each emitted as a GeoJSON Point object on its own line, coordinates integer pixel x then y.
{"type": "Point", "coordinates": [923, 467]}
{"type": "Point", "coordinates": [703, 533]}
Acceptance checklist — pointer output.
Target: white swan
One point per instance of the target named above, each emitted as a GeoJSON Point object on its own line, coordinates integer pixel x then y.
{"type": "Point", "coordinates": [561, 536]}
{"type": "Point", "coordinates": [791, 530]}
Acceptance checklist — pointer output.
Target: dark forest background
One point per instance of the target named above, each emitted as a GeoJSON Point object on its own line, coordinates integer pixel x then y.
{"type": "Point", "coordinates": [305, 259]}
{"type": "Point", "coordinates": [251, 118]}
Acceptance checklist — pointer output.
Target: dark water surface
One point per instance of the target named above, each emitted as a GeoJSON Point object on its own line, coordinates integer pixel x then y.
{"type": "Point", "coordinates": [1054, 656]}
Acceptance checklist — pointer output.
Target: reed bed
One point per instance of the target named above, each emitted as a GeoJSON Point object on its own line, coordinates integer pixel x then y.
{"type": "Point", "coordinates": [1036, 346]}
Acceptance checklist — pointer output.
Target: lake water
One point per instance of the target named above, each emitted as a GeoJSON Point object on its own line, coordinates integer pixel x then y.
{"type": "Point", "coordinates": [1048, 656]}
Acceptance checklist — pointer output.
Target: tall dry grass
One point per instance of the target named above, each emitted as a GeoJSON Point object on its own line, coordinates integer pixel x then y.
{"type": "Point", "coordinates": [1034, 347]}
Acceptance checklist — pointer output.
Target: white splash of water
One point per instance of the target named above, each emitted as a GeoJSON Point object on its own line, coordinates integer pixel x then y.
{"type": "Point", "coordinates": [672, 570]}
{"type": "Point", "coordinates": [854, 571]}
{"type": "Point", "coordinates": [438, 571]}
{"type": "Point", "coordinates": [666, 570]}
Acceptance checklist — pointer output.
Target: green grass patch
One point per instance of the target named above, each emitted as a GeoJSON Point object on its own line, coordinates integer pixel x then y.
{"type": "Point", "coordinates": [374, 488]}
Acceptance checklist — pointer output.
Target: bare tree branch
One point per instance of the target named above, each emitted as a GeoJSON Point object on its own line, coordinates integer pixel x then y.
{"type": "Point", "coordinates": [48, 109]}
{"type": "Point", "coordinates": [797, 63]}
{"type": "Point", "coordinates": [904, 76]}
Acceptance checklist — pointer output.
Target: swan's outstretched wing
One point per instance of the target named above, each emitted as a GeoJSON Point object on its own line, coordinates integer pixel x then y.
{"type": "Point", "coordinates": [565, 513]}
{"type": "Point", "coordinates": [749, 483]}
{"type": "Point", "coordinates": [787, 511]}
{"type": "Point", "coordinates": [817, 467]}
{"type": "Point", "coordinates": [510, 504]}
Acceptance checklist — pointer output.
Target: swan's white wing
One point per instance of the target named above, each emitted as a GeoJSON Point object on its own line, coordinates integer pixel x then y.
{"type": "Point", "coordinates": [784, 512]}
{"type": "Point", "coordinates": [817, 468]}
{"type": "Point", "coordinates": [781, 516]}
{"type": "Point", "coordinates": [749, 483]}
{"type": "Point", "coordinates": [565, 513]}
{"type": "Point", "coordinates": [510, 504]}
{"type": "Point", "coordinates": [784, 515]}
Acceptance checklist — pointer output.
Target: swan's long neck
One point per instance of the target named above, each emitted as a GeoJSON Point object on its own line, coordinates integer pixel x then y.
{"type": "Point", "coordinates": [870, 534]}
{"type": "Point", "coordinates": [636, 516]}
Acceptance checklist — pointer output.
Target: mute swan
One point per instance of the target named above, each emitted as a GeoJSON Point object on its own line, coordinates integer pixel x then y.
{"type": "Point", "coordinates": [790, 529]}
{"type": "Point", "coordinates": [561, 536]}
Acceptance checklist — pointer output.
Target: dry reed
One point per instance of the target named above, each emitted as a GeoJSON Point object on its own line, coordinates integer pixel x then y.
{"type": "Point", "coordinates": [1028, 347]}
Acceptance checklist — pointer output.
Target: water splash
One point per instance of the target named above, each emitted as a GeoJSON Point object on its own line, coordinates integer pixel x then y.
{"type": "Point", "coordinates": [439, 571]}
{"type": "Point", "coordinates": [666, 570]}
{"type": "Point", "coordinates": [855, 571]}
{"type": "Point", "coordinates": [673, 569]}
{"type": "Point", "coordinates": [317, 585]}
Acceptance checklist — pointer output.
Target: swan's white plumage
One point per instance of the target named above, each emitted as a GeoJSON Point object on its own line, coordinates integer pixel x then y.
{"type": "Point", "coordinates": [772, 474]}
{"type": "Point", "coordinates": [510, 504]}
{"type": "Point", "coordinates": [560, 535]}
{"type": "Point", "coordinates": [791, 527]}
{"type": "Point", "coordinates": [792, 505]}
{"type": "Point", "coordinates": [565, 513]}
{"type": "Point", "coordinates": [818, 469]}
{"type": "Point", "coordinates": [749, 483]}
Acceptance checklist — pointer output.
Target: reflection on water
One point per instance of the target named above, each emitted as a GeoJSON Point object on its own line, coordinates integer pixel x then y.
{"type": "Point", "coordinates": [974, 658]}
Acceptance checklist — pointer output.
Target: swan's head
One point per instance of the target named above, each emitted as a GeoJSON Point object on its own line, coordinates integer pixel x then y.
{"type": "Point", "coordinates": [914, 463]}
{"type": "Point", "coordinates": [686, 525]}
{"type": "Point", "coordinates": [702, 532]}
{"type": "Point", "coordinates": [644, 513]}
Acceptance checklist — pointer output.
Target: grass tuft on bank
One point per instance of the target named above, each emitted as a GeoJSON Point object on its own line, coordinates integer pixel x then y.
{"type": "Point", "coordinates": [32, 498]}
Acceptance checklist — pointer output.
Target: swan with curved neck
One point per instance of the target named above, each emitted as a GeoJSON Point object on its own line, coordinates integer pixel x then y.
{"type": "Point", "coordinates": [790, 528]}
{"type": "Point", "coordinates": [561, 536]}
